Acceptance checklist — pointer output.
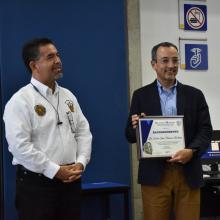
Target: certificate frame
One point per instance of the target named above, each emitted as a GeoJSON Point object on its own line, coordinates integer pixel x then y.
{"type": "Point", "coordinates": [160, 136]}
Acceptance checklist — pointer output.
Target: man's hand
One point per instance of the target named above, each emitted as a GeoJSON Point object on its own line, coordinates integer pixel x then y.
{"type": "Point", "coordinates": [135, 118]}
{"type": "Point", "coordinates": [182, 156]}
{"type": "Point", "coordinates": [70, 173]}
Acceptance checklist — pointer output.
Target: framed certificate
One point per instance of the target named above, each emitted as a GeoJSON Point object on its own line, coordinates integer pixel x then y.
{"type": "Point", "coordinates": [160, 136]}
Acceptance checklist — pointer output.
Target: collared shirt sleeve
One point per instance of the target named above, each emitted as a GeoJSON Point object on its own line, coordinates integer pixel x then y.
{"type": "Point", "coordinates": [18, 128]}
{"type": "Point", "coordinates": [83, 138]}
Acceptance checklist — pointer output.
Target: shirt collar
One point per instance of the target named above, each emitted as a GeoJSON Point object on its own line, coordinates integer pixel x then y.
{"type": "Point", "coordinates": [43, 89]}
{"type": "Point", "coordinates": [161, 89]}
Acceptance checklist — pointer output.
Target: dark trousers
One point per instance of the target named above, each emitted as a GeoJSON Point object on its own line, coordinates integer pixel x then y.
{"type": "Point", "coordinates": [40, 198]}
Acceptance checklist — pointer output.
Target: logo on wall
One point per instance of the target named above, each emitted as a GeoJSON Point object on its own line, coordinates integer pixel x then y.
{"type": "Point", "coordinates": [196, 59]}
{"type": "Point", "coordinates": [195, 17]}
{"type": "Point", "coordinates": [196, 56]}
{"type": "Point", "coordinates": [193, 54]}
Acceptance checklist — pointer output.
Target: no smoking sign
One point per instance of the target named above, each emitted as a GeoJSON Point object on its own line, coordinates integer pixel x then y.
{"type": "Point", "coordinates": [195, 17]}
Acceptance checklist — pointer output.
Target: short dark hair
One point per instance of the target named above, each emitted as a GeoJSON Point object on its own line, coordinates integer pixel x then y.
{"type": "Point", "coordinates": [30, 50]}
{"type": "Point", "coordinates": [163, 44]}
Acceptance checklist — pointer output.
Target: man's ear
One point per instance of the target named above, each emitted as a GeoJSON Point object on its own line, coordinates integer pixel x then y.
{"type": "Point", "coordinates": [153, 64]}
{"type": "Point", "coordinates": [32, 65]}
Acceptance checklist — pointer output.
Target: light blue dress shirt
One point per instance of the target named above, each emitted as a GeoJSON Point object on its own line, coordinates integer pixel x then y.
{"type": "Point", "coordinates": [167, 99]}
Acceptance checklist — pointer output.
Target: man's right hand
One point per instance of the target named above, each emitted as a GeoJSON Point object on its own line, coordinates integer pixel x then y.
{"type": "Point", "coordinates": [135, 118]}
{"type": "Point", "coordinates": [68, 173]}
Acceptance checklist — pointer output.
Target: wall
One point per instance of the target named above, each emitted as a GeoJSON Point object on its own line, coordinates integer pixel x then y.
{"type": "Point", "coordinates": [135, 81]}
{"type": "Point", "coordinates": [159, 22]}
{"type": "Point", "coordinates": [91, 38]}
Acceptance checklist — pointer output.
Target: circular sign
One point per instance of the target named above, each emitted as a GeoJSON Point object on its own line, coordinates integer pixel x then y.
{"type": "Point", "coordinates": [195, 17]}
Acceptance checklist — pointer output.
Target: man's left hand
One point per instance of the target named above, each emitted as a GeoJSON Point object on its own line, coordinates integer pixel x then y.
{"type": "Point", "coordinates": [182, 156]}
{"type": "Point", "coordinates": [77, 169]}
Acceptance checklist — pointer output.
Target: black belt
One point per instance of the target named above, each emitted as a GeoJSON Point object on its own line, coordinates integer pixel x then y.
{"type": "Point", "coordinates": [23, 172]}
{"type": "Point", "coordinates": [20, 168]}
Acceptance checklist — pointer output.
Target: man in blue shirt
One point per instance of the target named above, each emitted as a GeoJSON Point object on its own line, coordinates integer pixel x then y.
{"type": "Point", "coordinates": [171, 182]}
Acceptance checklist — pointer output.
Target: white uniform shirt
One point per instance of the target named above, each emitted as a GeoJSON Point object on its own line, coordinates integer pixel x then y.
{"type": "Point", "coordinates": [34, 138]}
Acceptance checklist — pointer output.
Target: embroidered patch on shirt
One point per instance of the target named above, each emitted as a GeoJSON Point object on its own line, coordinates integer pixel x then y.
{"type": "Point", "coordinates": [70, 105]}
{"type": "Point", "coordinates": [40, 110]}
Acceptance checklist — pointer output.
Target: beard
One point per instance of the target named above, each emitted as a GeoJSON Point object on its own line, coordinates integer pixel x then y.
{"type": "Point", "coordinates": [57, 72]}
{"type": "Point", "coordinates": [171, 73]}
{"type": "Point", "coordinates": [58, 75]}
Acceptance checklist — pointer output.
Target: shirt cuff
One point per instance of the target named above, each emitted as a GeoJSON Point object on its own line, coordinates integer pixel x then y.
{"type": "Point", "coordinates": [51, 170]}
{"type": "Point", "coordinates": [82, 160]}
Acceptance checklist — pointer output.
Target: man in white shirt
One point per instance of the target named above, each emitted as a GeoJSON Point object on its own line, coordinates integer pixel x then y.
{"type": "Point", "coordinates": [49, 138]}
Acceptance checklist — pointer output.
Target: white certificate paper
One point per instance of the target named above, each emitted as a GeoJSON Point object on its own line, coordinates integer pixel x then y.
{"type": "Point", "coordinates": [160, 136]}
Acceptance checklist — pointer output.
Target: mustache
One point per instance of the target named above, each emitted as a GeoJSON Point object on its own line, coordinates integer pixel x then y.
{"type": "Point", "coordinates": [173, 69]}
{"type": "Point", "coordinates": [57, 67]}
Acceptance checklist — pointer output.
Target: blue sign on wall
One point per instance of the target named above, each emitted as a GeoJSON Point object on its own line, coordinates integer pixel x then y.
{"type": "Point", "coordinates": [195, 17]}
{"type": "Point", "coordinates": [196, 56]}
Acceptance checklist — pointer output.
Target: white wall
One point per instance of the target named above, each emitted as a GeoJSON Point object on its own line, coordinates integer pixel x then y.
{"type": "Point", "coordinates": [159, 22]}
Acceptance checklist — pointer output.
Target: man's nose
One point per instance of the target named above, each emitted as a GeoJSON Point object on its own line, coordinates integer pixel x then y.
{"type": "Point", "coordinates": [57, 59]}
{"type": "Point", "coordinates": [172, 63]}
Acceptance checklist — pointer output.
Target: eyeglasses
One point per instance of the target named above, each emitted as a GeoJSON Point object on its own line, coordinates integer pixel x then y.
{"type": "Point", "coordinates": [166, 60]}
